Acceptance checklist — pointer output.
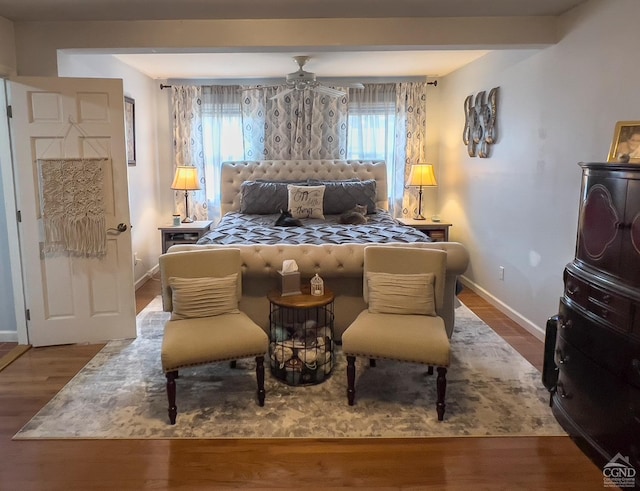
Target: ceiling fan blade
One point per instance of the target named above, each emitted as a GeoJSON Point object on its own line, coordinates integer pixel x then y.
{"type": "Point", "coordinates": [323, 89]}
{"type": "Point", "coordinates": [281, 94]}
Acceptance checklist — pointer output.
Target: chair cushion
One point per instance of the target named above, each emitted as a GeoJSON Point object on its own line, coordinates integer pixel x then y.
{"type": "Point", "coordinates": [411, 338]}
{"type": "Point", "coordinates": [203, 297]}
{"type": "Point", "coordinates": [191, 342]}
{"type": "Point", "coordinates": [306, 201]}
{"type": "Point", "coordinates": [401, 293]}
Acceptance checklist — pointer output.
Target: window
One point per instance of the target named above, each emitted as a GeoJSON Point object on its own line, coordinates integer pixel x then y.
{"type": "Point", "coordinates": [371, 125]}
{"type": "Point", "coordinates": [371, 130]}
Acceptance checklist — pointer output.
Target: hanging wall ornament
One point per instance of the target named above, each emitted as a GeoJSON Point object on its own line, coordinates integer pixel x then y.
{"type": "Point", "coordinates": [480, 122]}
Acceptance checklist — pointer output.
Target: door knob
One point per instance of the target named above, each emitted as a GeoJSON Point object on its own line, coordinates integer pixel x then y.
{"type": "Point", "coordinates": [122, 227]}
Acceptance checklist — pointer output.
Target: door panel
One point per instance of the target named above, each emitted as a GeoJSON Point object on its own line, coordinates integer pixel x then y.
{"type": "Point", "coordinates": [73, 299]}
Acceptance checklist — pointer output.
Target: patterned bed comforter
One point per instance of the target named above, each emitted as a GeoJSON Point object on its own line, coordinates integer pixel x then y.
{"type": "Point", "coordinates": [238, 228]}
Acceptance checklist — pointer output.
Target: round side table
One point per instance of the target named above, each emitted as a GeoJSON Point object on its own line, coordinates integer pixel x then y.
{"type": "Point", "coordinates": [301, 336]}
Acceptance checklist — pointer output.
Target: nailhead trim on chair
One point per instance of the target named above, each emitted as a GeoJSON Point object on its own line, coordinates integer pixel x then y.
{"type": "Point", "coordinates": [239, 357]}
{"type": "Point", "coordinates": [403, 360]}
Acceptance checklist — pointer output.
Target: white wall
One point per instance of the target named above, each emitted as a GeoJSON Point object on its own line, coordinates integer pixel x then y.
{"type": "Point", "coordinates": [144, 194]}
{"type": "Point", "coordinates": [7, 48]}
{"type": "Point", "coordinates": [557, 106]}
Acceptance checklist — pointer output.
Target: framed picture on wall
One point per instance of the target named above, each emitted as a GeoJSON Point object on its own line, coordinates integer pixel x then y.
{"type": "Point", "coordinates": [626, 143]}
{"type": "Point", "coordinates": [130, 129]}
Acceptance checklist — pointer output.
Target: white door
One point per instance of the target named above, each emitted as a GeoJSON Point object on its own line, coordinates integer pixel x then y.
{"type": "Point", "coordinates": [73, 299]}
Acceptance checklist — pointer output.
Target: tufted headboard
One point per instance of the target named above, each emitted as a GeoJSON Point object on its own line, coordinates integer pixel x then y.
{"type": "Point", "coordinates": [233, 174]}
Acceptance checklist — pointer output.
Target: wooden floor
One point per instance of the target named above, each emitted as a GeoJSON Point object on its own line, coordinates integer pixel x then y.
{"type": "Point", "coordinates": [535, 463]}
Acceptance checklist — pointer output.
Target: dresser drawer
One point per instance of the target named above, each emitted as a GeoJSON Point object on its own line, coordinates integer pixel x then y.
{"type": "Point", "coordinates": [576, 289]}
{"type": "Point", "coordinates": [610, 349]}
{"type": "Point", "coordinates": [612, 308]}
{"type": "Point", "coordinates": [611, 300]}
{"type": "Point", "coordinates": [596, 401]}
{"type": "Point", "coordinates": [614, 319]}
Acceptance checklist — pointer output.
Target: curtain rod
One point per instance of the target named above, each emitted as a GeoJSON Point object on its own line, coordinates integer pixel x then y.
{"type": "Point", "coordinates": [165, 86]}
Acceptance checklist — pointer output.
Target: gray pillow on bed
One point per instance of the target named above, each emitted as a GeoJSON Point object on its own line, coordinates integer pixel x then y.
{"type": "Point", "coordinates": [263, 198]}
{"type": "Point", "coordinates": [340, 196]}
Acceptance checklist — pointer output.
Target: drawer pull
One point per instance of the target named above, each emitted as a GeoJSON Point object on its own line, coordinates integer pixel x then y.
{"type": "Point", "coordinates": [606, 298]}
{"type": "Point", "coordinates": [604, 314]}
{"type": "Point", "coordinates": [566, 324]}
{"type": "Point", "coordinates": [563, 393]}
{"type": "Point", "coordinates": [573, 289]}
{"type": "Point", "coordinates": [562, 358]}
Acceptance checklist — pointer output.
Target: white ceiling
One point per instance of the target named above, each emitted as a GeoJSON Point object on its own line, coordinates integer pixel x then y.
{"type": "Point", "coordinates": [267, 65]}
{"type": "Point", "coordinates": [327, 65]}
{"type": "Point", "coordinates": [58, 10]}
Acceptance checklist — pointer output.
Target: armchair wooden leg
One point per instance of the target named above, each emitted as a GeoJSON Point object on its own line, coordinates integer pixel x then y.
{"type": "Point", "coordinates": [441, 386]}
{"type": "Point", "coordinates": [171, 395]}
{"type": "Point", "coordinates": [233, 364]}
{"type": "Point", "coordinates": [372, 362]}
{"type": "Point", "coordinates": [430, 370]}
{"type": "Point", "coordinates": [260, 379]}
{"type": "Point", "coordinates": [351, 379]}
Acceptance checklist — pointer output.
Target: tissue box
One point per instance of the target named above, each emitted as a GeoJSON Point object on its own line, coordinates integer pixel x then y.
{"type": "Point", "coordinates": [289, 283]}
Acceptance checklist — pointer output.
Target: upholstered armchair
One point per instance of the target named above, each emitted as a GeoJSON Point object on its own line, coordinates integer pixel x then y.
{"type": "Point", "coordinates": [404, 292]}
{"type": "Point", "coordinates": [202, 289]}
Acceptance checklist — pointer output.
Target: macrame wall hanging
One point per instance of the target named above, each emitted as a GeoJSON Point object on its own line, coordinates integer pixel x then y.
{"type": "Point", "coordinates": [72, 201]}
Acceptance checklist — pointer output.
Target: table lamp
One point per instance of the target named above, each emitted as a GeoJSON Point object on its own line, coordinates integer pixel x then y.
{"type": "Point", "coordinates": [421, 175]}
{"type": "Point", "coordinates": [186, 179]}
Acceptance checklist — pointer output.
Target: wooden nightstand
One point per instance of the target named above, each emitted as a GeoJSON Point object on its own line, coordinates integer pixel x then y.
{"type": "Point", "coordinates": [437, 231]}
{"type": "Point", "coordinates": [185, 233]}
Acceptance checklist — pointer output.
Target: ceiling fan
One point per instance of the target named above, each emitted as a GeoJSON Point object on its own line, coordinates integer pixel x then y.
{"type": "Point", "coordinates": [301, 80]}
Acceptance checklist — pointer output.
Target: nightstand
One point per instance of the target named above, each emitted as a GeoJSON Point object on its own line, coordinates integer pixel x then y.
{"type": "Point", "coordinates": [437, 231]}
{"type": "Point", "coordinates": [185, 233]}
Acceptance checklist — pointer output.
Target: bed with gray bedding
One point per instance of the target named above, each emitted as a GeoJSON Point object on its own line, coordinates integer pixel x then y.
{"type": "Point", "coordinates": [241, 228]}
{"type": "Point", "coordinates": [322, 246]}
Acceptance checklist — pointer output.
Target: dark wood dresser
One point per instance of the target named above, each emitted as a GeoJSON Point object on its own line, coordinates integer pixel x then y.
{"type": "Point", "coordinates": [596, 395]}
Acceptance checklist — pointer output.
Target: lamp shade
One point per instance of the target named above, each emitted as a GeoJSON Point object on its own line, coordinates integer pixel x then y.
{"type": "Point", "coordinates": [422, 175]}
{"type": "Point", "coordinates": [186, 178]}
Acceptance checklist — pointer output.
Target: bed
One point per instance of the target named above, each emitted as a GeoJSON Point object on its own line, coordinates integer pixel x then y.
{"type": "Point", "coordinates": [252, 194]}
{"type": "Point", "coordinates": [241, 228]}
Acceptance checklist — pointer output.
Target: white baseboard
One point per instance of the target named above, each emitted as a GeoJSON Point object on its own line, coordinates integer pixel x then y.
{"type": "Point", "coordinates": [8, 336]}
{"type": "Point", "coordinates": [522, 321]}
{"type": "Point", "coordinates": [147, 276]}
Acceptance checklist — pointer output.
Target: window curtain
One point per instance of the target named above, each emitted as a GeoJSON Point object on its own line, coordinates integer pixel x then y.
{"type": "Point", "coordinates": [411, 103]}
{"type": "Point", "coordinates": [213, 124]}
{"type": "Point", "coordinates": [222, 132]}
{"type": "Point", "coordinates": [302, 124]}
{"type": "Point", "coordinates": [188, 146]}
{"type": "Point", "coordinates": [372, 128]}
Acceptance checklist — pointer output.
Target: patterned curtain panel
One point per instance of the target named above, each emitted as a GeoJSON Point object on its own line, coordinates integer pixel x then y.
{"type": "Point", "coordinates": [411, 103]}
{"type": "Point", "coordinates": [299, 125]}
{"type": "Point", "coordinates": [213, 124]}
{"type": "Point", "coordinates": [188, 146]}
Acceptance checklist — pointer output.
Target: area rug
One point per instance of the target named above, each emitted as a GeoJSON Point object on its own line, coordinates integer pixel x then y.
{"type": "Point", "coordinates": [120, 393]}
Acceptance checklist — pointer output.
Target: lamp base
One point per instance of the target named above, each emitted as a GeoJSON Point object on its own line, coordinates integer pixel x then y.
{"type": "Point", "coordinates": [187, 220]}
{"type": "Point", "coordinates": [419, 217]}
